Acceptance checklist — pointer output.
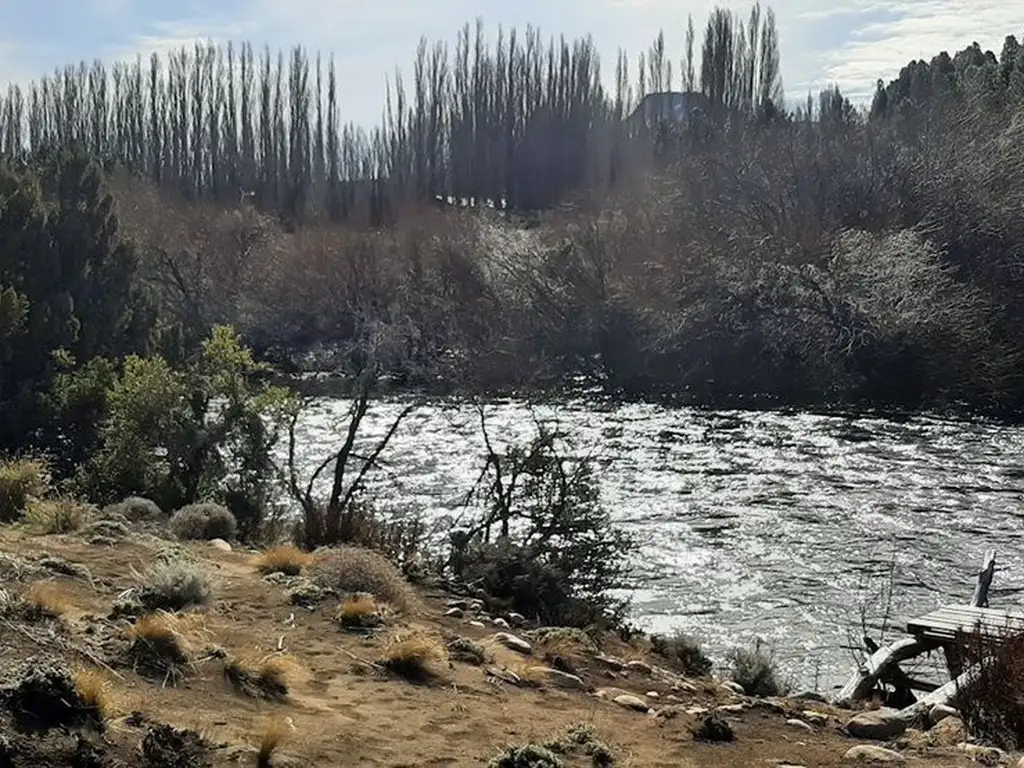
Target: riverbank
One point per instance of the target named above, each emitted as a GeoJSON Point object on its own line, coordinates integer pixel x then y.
{"type": "Point", "coordinates": [429, 681]}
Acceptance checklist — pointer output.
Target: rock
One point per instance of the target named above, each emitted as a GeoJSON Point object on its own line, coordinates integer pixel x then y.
{"type": "Point", "coordinates": [734, 687]}
{"type": "Point", "coordinates": [880, 725]}
{"type": "Point", "coordinates": [714, 728]}
{"type": "Point", "coordinates": [477, 624]}
{"type": "Point", "coordinates": [611, 662]}
{"type": "Point", "coordinates": [800, 724]}
{"type": "Point", "coordinates": [629, 701]}
{"type": "Point", "coordinates": [652, 695]}
{"type": "Point", "coordinates": [220, 544]}
{"type": "Point", "coordinates": [516, 619]}
{"type": "Point", "coordinates": [772, 705]}
{"type": "Point", "coordinates": [948, 733]}
{"type": "Point", "coordinates": [499, 622]}
{"type": "Point", "coordinates": [818, 718]}
{"type": "Point", "coordinates": [734, 709]}
{"type": "Point", "coordinates": [514, 643]}
{"type": "Point", "coordinates": [913, 739]}
{"type": "Point", "coordinates": [640, 667]}
{"type": "Point", "coordinates": [980, 754]}
{"type": "Point", "coordinates": [683, 685]}
{"type": "Point", "coordinates": [810, 696]}
{"type": "Point", "coordinates": [940, 712]}
{"type": "Point", "coordinates": [304, 593]}
{"type": "Point", "coordinates": [696, 711]}
{"type": "Point", "coordinates": [565, 680]}
{"type": "Point", "coordinates": [868, 753]}
{"type": "Point", "coordinates": [454, 612]}
{"type": "Point", "coordinates": [477, 606]}
{"type": "Point", "coordinates": [462, 605]}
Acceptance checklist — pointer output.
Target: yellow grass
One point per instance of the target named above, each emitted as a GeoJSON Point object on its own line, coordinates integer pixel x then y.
{"type": "Point", "coordinates": [48, 598]}
{"type": "Point", "coordinates": [95, 692]}
{"type": "Point", "coordinates": [357, 611]}
{"type": "Point", "coordinates": [416, 656]}
{"type": "Point", "coordinates": [275, 732]}
{"type": "Point", "coordinates": [287, 560]}
{"type": "Point", "coordinates": [162, 642]}
{"type": "Point", "coordinates": [64, 515]}
{"type": "Point", "coordinates": [268, 676]}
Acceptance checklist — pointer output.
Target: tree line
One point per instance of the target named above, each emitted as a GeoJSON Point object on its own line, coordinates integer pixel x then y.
{"type": "Point", "coordinates": [519, 121]}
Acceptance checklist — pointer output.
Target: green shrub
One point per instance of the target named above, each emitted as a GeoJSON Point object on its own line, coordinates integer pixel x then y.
{"type": "Point", "coordinates": [754, 669]}
{"type": "Point", "coordinates": [62, 515]}
{"type": "Point", "coordinates": [20, 480]}
{"type": "Point", "coordinates": [526, 756]}
{"type": "Point", "coordinates": [353, 570]}
{"type": "Point", "coordinates": [203, 522]}
{"type": "Point", "coordinates": [136, 509]}
{"type": "Point", "coordinates": [682, 652]}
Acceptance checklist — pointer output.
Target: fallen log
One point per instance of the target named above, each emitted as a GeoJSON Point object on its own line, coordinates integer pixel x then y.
{"type": "Point", "coordinates": [863, 681]}
{"type": "Point", "coordinates": [944, 694]}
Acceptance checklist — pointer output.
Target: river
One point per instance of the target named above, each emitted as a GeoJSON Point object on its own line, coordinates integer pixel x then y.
{"type": "Point", "coordinates": [787, 528]}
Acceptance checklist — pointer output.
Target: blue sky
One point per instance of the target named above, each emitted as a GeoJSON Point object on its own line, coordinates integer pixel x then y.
{"type": "Point", "coordinates": [849, 42]}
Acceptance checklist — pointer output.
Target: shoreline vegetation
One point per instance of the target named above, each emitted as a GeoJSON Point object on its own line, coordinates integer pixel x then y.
{"type": "Point", "coordinates": [180, 240]}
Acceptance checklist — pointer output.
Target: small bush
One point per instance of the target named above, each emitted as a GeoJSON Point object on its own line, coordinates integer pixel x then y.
{"type": "Point", "coordinates": [714, 728]}
{"type": "Point", "coordinates": [161, 645]}
{"type": "Point", "coordinates": [21, 480]}
{"type": "Point", "coordinates": [992, 704]}
{"type": "Point", "coordinates": [359, 612]}
{"type": "Point", "coordinates": [526, 756]}
{"type": "Point", "coordinates": [353, 570]}
{"type": "Point", "coordinates": [755, 670]}
{"type": "Point", "coordinates": [174, 585]}
{"type": "Point", "coordinates": [94, 692]}
{"type": "Point", "coordinates": [465, 650]}
{"type": "Point", "coordinates": [266, 677]}
{"type": "Point", "coordinates": [274, 734]}
{"type": "Point", "coordinates": [46, 599]}
{"type": "Point", "coordinates": [683, 653]}
{"type": "Point", "coordinates": [287, 560]}
{"type": "Point", "coordinates": [46, 516]}
{"type": "Point", "coordinates": [418, 657]}
{"type": "Point", "coordinates": [203, 522]}
{"type": "Point", "coordinates": [136, 509]}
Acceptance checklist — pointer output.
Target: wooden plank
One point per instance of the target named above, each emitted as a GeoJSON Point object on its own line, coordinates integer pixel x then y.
{"type": "Point", "coordinates": [988, 568]}
{"type": "Point", "coordinates": [945, 694]}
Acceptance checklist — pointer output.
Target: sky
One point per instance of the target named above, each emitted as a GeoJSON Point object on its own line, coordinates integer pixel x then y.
{"type": "Point", "coordinates": [850, 43]}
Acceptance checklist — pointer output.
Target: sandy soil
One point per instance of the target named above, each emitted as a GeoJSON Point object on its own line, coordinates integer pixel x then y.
{"type": "Point", "coordinates": [344, 711]}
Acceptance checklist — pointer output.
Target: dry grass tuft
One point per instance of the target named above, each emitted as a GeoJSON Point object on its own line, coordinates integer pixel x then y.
{"type": "Point", "coordinates": [359, 612]}
{"type": "Point", "coordinates": [418, 657]}
{"type": "Point", "coordinates": [263, 677]}
{"type": "Point", "coordinates": [20, 481]}
{"type": "Point", "coordinates": [275, 733]}
{"type": "Point", "coordinates": [94, 690]}
{"type": "Point", "coordinates": [47, 599]}
{"type": "Point", "coordinates": [353, 570]}
{"type": "Point", "coordinates": [162, 644]}
{"type": "Point", "coordinates": [63, 515]}
{"type": "Point", "coordinates": [287, 560]}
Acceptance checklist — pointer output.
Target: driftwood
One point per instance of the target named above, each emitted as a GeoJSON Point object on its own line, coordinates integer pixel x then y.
{"type": "Point", "coordinates": [945, 694]}
{"type": "Point", "coordinates": [883, 663]}
{"type": "Point", "coordinates": [863, 682]}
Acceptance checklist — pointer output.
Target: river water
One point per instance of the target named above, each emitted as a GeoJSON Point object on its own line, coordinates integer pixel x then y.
{"type": "Point", "coordinates": [789, 528]}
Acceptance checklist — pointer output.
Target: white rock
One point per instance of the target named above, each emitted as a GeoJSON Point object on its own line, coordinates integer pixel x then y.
{"type": "Point", "coordinates": [629, 701]}
{"type": "Point", "coordinates": [868, 753]}
{"type": "Point", "coordinates": [499, 622]}
{"type": "Point", "coordinates": [220, 544]}
{"type": "Point", "coordinates": [696, 711]}
{"type": "Point", "coordinates": [516, 619]}
{"type": "Point", "coordinates": [455, 613]}
{"type": "Point", "coordinates": [880, 725]}
{"type": "Point", "coordinates": [732, 708]}
{"type": "Point", "coordinates": [562, 679]}
{"type": "Point", "coordinates": [514, 643]}
{"type": "Point", "coordinates": [800, 724]}
{"type": "Point", "coordinates": [477, 624]}
{"type": "Point", "coordinates": [734, 687]}
{"type": "Point", "coordinates": [652, 695]}
{"type": "Point", "coordinates": [940, 712]}
{"type": "Point", "coordinates": [818, 718]}
{"type": "Point", "coordinates": [980, 754]}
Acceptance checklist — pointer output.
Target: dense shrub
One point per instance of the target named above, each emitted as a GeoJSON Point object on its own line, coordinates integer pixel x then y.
{"type": "Point", "coordinates": [353, 570]}
{"type": "Point", "coordinates": [203, 522]}
{"type": "Point", "coordinates": [20, 480]}
{"type": "Point", "coordinates": [544, 546]}
{"type": "Point", "coordinates": [991, 704]}
{"type": "Point", "coordinates": [174, 585]}
{"type": "Point", "coordinates": [61, 515]}
{"type": "Point", "coordinates": [755, 669]}
{"type": "Point", "coordinates": [136, 509]}
{"type": "Point", "coordinates": [682, 652]}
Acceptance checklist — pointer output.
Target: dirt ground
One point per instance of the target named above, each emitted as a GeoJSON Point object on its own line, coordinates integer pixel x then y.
{"type": "Point", "coordinates": [344, 710]}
